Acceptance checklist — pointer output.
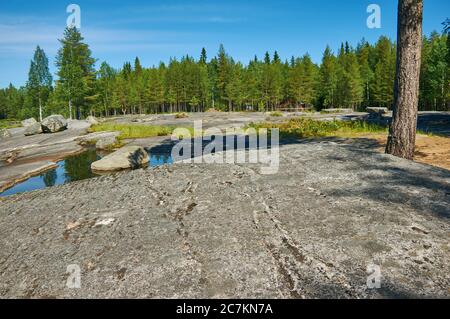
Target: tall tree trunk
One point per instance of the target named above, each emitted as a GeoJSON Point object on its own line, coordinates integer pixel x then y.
{"type": "Point", "coordinates": [40, 109]}
{"type": "Point", "coordinates": [402, 132]}
{"type": "Point", "coordinates": [70, 109]}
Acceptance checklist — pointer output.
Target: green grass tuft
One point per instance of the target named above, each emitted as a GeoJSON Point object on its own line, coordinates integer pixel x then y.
{"type": "Point", "coordinates": [276, 114]}
{"type": "Point", "coordinates": [304, 128]}
{"type": "Point", "coordinates": [7, 124]}
{"type": "Point", "coordinates": [128, 131]}
{"type": "Point", "coordinates": [181, 115]}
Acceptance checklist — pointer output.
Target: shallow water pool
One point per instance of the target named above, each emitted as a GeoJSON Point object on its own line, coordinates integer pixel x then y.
{"type": "Point", "coordinates": [74, 168]}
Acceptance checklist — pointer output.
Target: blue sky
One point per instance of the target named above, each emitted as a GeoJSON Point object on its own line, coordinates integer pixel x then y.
{"type": "Point", "coordinates": [118, 31]}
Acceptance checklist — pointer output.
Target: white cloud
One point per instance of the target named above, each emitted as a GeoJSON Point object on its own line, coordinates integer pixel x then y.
{"type": "Point", "coordinates": [21, 39]}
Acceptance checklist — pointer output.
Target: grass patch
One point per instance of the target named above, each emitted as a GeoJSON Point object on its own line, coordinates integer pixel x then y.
{"type": "Point", "coordinates": [7, 124]}
{"type": "Point", "coordinates": [118, 144]}
{"type": "Point", "coordinates": [181, 116]}
{"type": "Point", "coordinates": [130, 131]}
{"type": "Point", "coordinates": [133, 130]}
{"type": "Point", "coordinates": [276, 114]}
{"type": "Point", "coordinates": [304, 128]}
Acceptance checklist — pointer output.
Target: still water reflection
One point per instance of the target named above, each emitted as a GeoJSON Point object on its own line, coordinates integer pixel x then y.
{"type": "Point", "coordinates": [72, 169]}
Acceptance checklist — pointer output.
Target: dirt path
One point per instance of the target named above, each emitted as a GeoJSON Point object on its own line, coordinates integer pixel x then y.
{"type": "Point", "coordinates": [432, 150]}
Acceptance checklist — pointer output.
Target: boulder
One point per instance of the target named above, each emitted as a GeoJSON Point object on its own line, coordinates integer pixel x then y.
{"type": "Point", "coordinates": [106, 142]}
{"type": "Point", "coordinates": [54, 123]}
{"type": "Point", "coordinates": [33, 129]}
{"type": "Point", "coordinates": [143, 120]}
{"type": "Point", "coordinates": [29, 122]}
{"type": "Point", "coordinates": [377, 110]}
{"type": "Point", "coordinates": [92, 120]}
{"type": "Point", "coordinates": [4, 133]}
{"type": "Point", "coordinates": [127, 157]}
{"type": "Point", "coordinates": [92, 138]}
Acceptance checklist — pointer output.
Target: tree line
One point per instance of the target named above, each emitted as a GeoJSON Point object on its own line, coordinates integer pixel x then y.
{"type": "Point", "coordinates": [353, 77]}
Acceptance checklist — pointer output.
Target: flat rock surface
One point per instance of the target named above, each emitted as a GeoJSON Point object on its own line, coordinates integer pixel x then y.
{"type": "Point", "coordinates": [191, 231]}
{"type": "Point", "coordinates": [29, 150]}
{"type": "Point", "coordinates": [9, 175]}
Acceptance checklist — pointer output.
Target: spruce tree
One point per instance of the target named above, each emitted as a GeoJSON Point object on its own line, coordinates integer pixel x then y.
{"type": "Point", "coordinates": [328, 78]}
{"type": "Point", "coordinates": [106, 78]}
{"type": "Point", "coordinates": [75, 71]}
{"type": "Point", "coordinates": [39, 83]}
{"type": "Point", "coordinates": [203, 57]}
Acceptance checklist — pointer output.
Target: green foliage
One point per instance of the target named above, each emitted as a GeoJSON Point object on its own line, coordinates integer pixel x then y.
{"type": "Point", "coordinates": [76, 73]}
{"type": "Point", "coordinates": [352, 78]}
{"type": "Point", "coordinates": [435, 73]}
{"type": "Point", "coordinates": [181, 115]}
{"type": "Point", "coordinates": [328, 79]}
{"type": "Point", "coordinates": [9, 123]}
{"type": "Point", "coordinates": [384, 73]}
{"type": "Point", "coordinates": [276, 114]}
{"type": "Point", "coordinates": [133, 130]}
{"type": "Point", "coordinates": [39, 85]}
{"type": "Point", "coordinates": [304, 128]}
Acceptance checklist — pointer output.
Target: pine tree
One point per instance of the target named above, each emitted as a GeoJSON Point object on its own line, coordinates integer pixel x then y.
{"type": "Point", "coordinates": [137, 67]}
{"type": "Point", "coordinates": [353, 83]}
{"type": "Point", "coordinates": [364, 56]}
{"type": "Point", "coordinates": [384, 73]}
{"type": "Point", "coordinates": [138, 86]}
{"type": "Point", "coordinates": [267, 58]}
{"type": "Point", "coordinates": [39, 83]}
{"type": "Point", "coordinates": [402, 131]}
{"type": "Point", "coordinates": [203, 57]}
{"type": "Point", "coordinates": [328, 78]}
{"type": "Point", "coordinates": [224, 64]}
{"type": "Point", "coordinates": [106, 78]}
{"type": "Point", "coordinates": [75, 71]}
{"type": "Point", "coordinates": [276, 57]}
{"type": "Point", "coordinates": [436, 71]}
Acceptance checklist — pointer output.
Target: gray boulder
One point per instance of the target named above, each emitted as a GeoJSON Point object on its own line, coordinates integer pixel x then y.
{"type": "Point", "coordinates": [106, 142]}
{"type": "Point", "coordinates": [33, 129]}
{"type": "Point", "coordinates": [54, 123]}
{"type": "Point", "coordinates": [377, 110]}
{"type": "Point", "coordinates": [29, 122]}
{"type": "Point", "coordinates": [92, 138]}
{"type": "Point", "coordinates": [92, 120]}
{"type": "Point", "coordinates": [126, 157]}
{"type": "Point", "coordinates": [335, 110]}
{"type": "Point", "coordinates": [4, 133]}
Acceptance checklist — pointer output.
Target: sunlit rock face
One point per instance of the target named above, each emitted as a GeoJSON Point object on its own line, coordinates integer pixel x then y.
{"type": "Point", "coordinates": [54, 123]}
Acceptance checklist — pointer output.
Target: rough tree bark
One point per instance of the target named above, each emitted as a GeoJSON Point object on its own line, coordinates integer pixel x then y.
{"type": "Point", "coordinates": [402, 132]}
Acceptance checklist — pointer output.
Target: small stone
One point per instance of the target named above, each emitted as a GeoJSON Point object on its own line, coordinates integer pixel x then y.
{"type": "Point", "coordinates": [104, 222]}
{"type": "Point", "coordinates": [72, 225]}
{"type": "Point", "coordinates": [90, 266]}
